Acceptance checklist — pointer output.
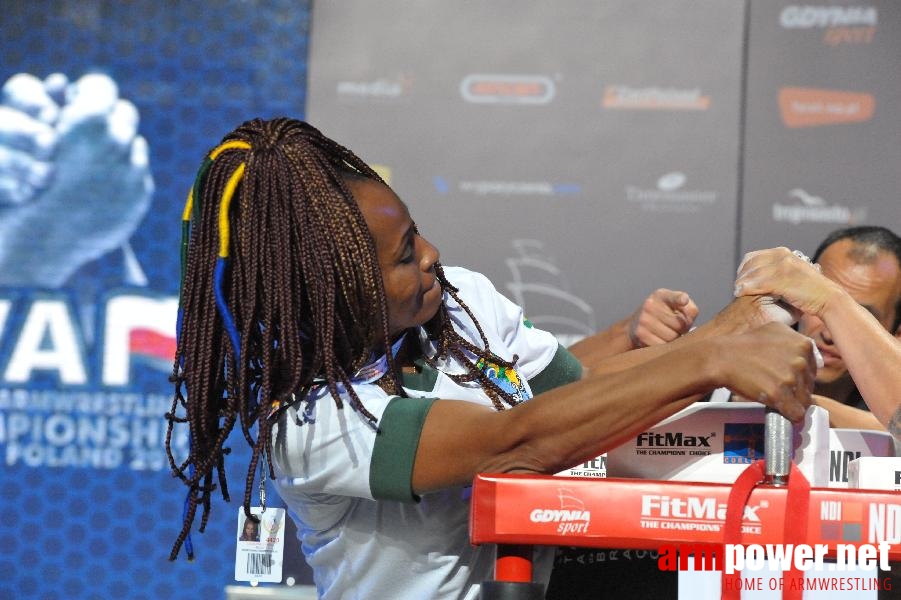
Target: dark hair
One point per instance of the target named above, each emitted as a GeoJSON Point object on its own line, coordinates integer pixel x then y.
{"type": "Point", "coordinates": [879, 239]}
{"type": "Point", "coordinates": [280, 288]}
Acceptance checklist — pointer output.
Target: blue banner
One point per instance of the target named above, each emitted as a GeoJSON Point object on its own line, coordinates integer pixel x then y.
{"type": "Point", "coordinates": [107, 109]}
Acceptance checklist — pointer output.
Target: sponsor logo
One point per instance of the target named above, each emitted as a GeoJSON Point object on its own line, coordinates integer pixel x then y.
{"type": "Point", "coordinates": [508, 188]}
{"type": "Point", "coordinates": [841, 521]}
{"type": "Point", "coordinates": [840, 24]}
{"type": "Point", "coordinates": [692, 507]}
{"type": "Point", "coordinates": [813, 209]}
{"type": "Point", "coordinates": [812, 107]}
{"type": "Point", "coordinates": [838, 464]}
{"type": "Point", "coordinates": [653, 98]}
{"type": "Point", "coordinates": [742, 443]}
{"type": "Point", "coordinates": [596, 467]}
{"type": "Point", "coordinates": [670, 195]}
{"type": "Point", "coordinates": [673, 443]}
{"type": "Point", "coordinates": [830, 510]}
{"type": "Point", "coordinates": [669, 439]}
{"type": "Point", "coordinates": [571, 517]}
{"type": "Point", "coordinates": [507, 89]}
{"type": "Point", "coordinates": [885, 523]}
{"type": "Point", "coordinates": [383, 88]}
{"type": "Point", "coordinates": [693, 513]}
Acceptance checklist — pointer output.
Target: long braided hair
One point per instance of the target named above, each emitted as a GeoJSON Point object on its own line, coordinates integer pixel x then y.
{"type": "Point", "coordinates": [281, 290]}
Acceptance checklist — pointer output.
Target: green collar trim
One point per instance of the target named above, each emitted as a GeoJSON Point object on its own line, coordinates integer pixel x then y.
{"type": "Point", "coordinates": [424, 379]}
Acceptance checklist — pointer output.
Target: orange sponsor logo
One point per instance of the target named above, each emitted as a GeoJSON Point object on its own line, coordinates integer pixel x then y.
{"type": "Point", "coordinates": [849, 35]}
{"type": "Point", "coordinates": [654, 98]}
{"type": "Point", "coordinates": [811, 107]}
{"type": "Point", "coordinates": [507, 89]}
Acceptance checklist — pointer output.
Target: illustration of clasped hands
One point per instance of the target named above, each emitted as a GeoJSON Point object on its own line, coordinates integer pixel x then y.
{"type": "Point", "coordinates": [75, 178]}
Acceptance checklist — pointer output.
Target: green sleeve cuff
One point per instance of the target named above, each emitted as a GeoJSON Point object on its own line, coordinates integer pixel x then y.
{"type": "Point", "coordinates": [564, 368]}
{"type": "Point", "coordinates": [394, 452]}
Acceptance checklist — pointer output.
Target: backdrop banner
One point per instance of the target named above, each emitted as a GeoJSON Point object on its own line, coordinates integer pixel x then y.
{"type": "Point", "coordinates": [106, 111]}
{"type": "Point", "coordinates": [822, 137]}
{"type": "Point", "coordinates": [579, 153]}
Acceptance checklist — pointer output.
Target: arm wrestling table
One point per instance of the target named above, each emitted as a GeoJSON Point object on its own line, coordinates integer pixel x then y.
{"type": "Point", "coordinates": [517, 512]}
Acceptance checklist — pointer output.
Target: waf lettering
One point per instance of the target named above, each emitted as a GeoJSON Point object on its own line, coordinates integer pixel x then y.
{"type": "Point", "coordinates": [46, 338]}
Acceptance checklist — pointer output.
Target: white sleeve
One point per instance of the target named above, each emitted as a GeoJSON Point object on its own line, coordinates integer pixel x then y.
{"type": "Point", "coordinates": [332, 453]}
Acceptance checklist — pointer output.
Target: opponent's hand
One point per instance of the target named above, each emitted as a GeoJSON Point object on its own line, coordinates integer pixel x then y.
{"type": "Point", "coordinates": [662, 317]}
{"type": "Point", "coordinates": [784, 275]}
{"type": "Point", "coordinates": [75, 180]}
{"type": "Point", "coordinates": [772, 364]}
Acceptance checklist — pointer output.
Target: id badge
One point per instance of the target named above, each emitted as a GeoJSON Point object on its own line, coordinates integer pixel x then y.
{"type": "Point", "coordinates": [260, 552]}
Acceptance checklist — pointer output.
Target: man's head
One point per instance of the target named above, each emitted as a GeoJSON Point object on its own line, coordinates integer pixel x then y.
{"type": "Point", "coordinates": [866, 262]}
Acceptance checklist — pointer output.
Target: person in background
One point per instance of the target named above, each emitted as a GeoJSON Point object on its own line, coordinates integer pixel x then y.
{"type": "Point", "coordinates": [374, 383]}
{"type": "Point", "coordinates": [865, 261]}
{"type": "Point", "coordinates": [850, 307]}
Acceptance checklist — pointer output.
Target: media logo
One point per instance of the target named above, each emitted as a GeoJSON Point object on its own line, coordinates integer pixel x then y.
{"type": "Point", "coordinates": [840, 24]}
{"type": "Point", "coordinates": [624, 97]}
{"type": "Point", "coordinates": [813, 107]}
{"type": "Point", "coordinates": [813, 209]}
{"type": "Point", "coordinates": [381, 89]}
{"type": "Point", "coordinates": [670, 195]}
{"type": "Point", "coordinates": [507, 89]}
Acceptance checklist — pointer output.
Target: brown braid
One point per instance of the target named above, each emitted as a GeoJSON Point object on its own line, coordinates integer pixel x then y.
{"type": "Point", "coordinates": [305, 292]}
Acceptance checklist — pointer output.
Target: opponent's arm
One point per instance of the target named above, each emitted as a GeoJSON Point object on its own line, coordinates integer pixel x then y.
{"type": "Point", "coordinates": [871, 353]}
{"type": "Point", "coordinates": [849, 417]}
{"type": "Point", "coordinates": [662, 317]}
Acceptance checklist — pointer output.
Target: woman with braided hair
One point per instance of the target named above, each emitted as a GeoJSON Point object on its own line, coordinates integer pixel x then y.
{"type": "Point", "coordinates": [373, 383]}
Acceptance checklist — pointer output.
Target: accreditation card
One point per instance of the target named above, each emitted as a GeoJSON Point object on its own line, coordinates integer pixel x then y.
{"type": "Point", "coordinates": [260, 552]}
